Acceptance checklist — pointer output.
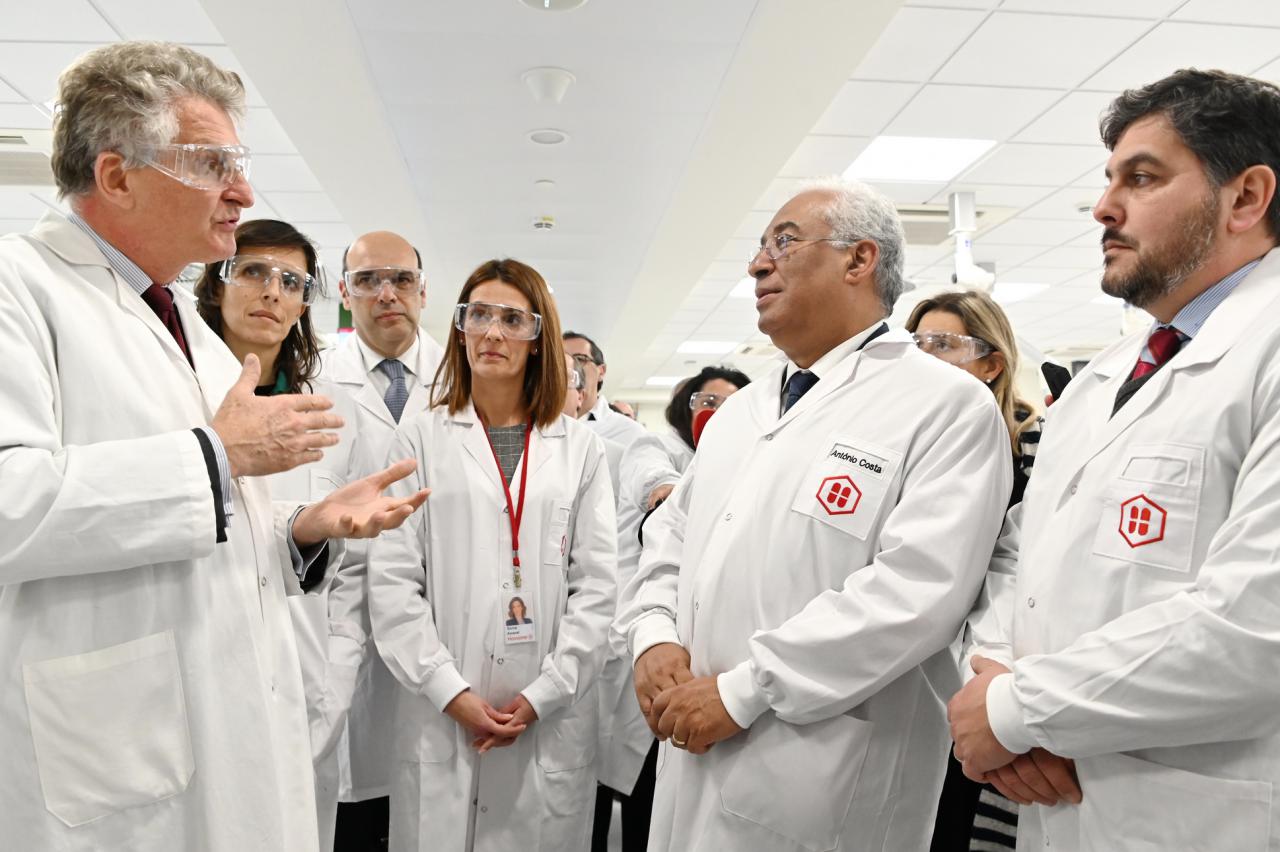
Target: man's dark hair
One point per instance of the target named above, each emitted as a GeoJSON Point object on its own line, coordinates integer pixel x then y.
{"type": "Point", "coordinates": [1229, 122]}
{"type": "Point", "coordinates": [597, 354]}
{"type": "Point", "coordinates": [416, 254]}
{"type": "Point", "coordinates": [678, 413]}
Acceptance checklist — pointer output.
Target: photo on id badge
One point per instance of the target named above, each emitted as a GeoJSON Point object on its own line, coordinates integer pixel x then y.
{"type": "Point", "coordinates": [519, 626]}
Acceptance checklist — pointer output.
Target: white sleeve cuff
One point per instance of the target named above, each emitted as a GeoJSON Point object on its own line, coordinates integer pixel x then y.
{"type": "Point", "coordinates": [1004, 714]}
{"type": "Point", "coordinates": [444, 685]}
{"type": "Point", "coordinates": [654, 628]}
{"type": "Point", "coordinates": [743, 700]}
{"type": "Point", "coordinates": [544, 697]}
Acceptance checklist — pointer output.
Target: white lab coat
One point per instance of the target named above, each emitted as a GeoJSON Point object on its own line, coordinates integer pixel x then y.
{"type": "Point", "coordinates": [820, 564]}
{"type": "Point", "coordinates": [607, 423]}
{"type": "Point", "coordinates": [438, 594]}
{"type": "Point", "coordinates": [326, 657]}
{"type": "Point", "coordinates": [363, 755]}
{"type": "Point", "coordinates": [625, 738]}
{"type": "Point", "coordinates": [1156, 666]}
{"type": "Point", "coordinates": [152, 697]}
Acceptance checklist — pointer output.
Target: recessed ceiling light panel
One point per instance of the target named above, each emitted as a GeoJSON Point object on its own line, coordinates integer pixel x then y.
{"type": "Point", "coordinates": [554, 5]}
{"type": "Point", "coordinates": [916, 158]}
{"type": "Point", "coordinates": [548, 136]}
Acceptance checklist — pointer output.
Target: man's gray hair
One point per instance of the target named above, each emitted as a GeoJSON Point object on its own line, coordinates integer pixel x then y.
{"type": "Point", "coordinates": [858, 212]}
{"type": "Point", "coordinates": [123, 98]}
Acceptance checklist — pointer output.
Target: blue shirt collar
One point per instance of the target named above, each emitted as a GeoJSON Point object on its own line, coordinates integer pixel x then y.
{"type": "Point", "coordinates": [1193, 315]}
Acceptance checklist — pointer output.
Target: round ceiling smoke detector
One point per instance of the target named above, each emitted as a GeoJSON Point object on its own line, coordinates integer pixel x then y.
{"type": "Point", "coordinates": [548, 85]}
{"type": "Point", "coordinates": [544, 223]}
{"type": "Point", "coordinates": [553, 5]}
{"type": "Point", "coordinates": [548, 136]}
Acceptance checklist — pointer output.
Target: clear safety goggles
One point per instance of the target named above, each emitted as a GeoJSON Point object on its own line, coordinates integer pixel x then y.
{"type": "Point", "coordinates": [708, 401]}
{"type": "Point", "coordinates": [953, 348]}
{"type": "Point", "coordinates": [514, 323]}
{"type": "Point", "coordinates": [252, 270]}
{"type": "Point", "coordinates": [577, 381]}
{"type": "Point", "coordinates": [368, 282]}
{"type": "Point", "coordinates": [201, 166]}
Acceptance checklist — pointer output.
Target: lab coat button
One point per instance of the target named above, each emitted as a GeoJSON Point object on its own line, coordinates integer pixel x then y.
{"type": "Point", "coordinates": [1031, 602]}
{"type": "Point", "coordinates": [501, 660]}
{"type": "Point", "coordinates": [264, 582]}
{"type": "Point", "coordinates": [506, 585]}
{"type": "Point", "coordinates": [695, 606]}
{"type": "Point", "coordinates": [1074, 489]}
{"type": "Point", "coordinates": [769, 437]}
{"type": "Point", "coordinates": [728, 516]}
{"type": "Point", "coordinates": [484, 809]}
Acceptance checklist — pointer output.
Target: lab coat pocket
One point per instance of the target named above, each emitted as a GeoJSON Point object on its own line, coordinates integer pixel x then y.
{"type": "Point", "coordinates": [1149, 512]}
{"type": "Point", "coordinates": [566, 748]}
{"type": "Point", "coordinates": [556, 543]}
{"type": "Point", "coordinates": [1175, 809]}
{"type": "Point", "coordinates": [109, 728]}
{"type": "Point", "coordinates": [845, 486]}
{"type": "Point", "coordinates": [798, 781]}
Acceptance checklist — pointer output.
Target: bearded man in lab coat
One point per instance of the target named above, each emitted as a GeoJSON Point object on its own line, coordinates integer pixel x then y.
{"type": "Point", "coordinates": [798, 591]}
{"type": "Point", "coordinates": [1132, 604]}
{"type": "Point", "coordinates": [151, 695]}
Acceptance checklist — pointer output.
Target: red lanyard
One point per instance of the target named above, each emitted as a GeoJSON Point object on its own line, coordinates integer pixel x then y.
{"type": "Point", "coordinates": [513, 514]}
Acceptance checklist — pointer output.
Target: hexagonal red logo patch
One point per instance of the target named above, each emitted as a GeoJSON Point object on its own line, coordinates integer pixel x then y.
{"type": "Point", "coordinates": [1142, 521]}
{"type": "Point", "coordinates": [839, 495]}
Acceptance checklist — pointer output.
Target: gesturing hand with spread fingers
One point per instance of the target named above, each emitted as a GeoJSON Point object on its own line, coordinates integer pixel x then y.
{"type": "Point", "coordinates": [359, 509]}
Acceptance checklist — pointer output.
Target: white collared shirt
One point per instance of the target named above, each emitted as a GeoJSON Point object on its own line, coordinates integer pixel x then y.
{"type": "Point", "coordinates": [827, 362]}
{"type": "Point", "coordinates": [372, 358]}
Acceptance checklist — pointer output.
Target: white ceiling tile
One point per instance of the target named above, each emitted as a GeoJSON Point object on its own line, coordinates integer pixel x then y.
{"type": "Point", "coordinates": [20, 204]}
{"type": "Point", "coordinates": [54, 20]}
{"type": "Point", "coordinates": [754, 224]}
{"type": "Point", "coordinates": [1171, 46]}
{"type": "Point", "coordinates": [1033, 232]}
{"type": "Point", "coordinates": [995, 195]}
{"type": "Point", "coordinates": [726, 270]}
{"type": "Point", "coordinates": [780, 191]}
{"type": "Point", "coordinates": [295, 207]}
{"type": "Point", "coordinates": [261, 209]}
{"type": "Point", "coordinates": [1037, 164]}
{"type": "Point", "coordinates": [1270, 72]}
{"type": "Point", "coordinates": [263, 133]}
{"type": "Point", "coordinates": [824, 155]}
{"type": "Point", "coordinates": [1053, 51]}
{"type": "Point", "coordinates": [1066, 257]}
{"type": "Point", "coordinates": [1092, 238]}
{"type": "Point", "coordinates": [9, 96]}
{"type": "Point", "coordinates": [1005, 256]}
{"type": "Point", "coordinates": [222, 55]}
{"type": "Point", "coordinates": [1262, 13]}
{"type": "Point", "coordinates": [182, 21]}
{"type": "Point", "coordinates": [956, 4]}
{"type": "Point", "coordinates": [1071, 121]}
{"type": "Point", "coordinates": [1150, 9]}
{"type": "Point", "coordinates": [32, 68]}
{"type": "Point", "coordinates": [327, 234]}
{"type": "Point", "coordinates": [1065, 204]}
{"type": "Point", "coordinates": [970, 112]}
{"type": "Point", "coordinates": [916, 42]}
{"type": "Point", "coordinates": [861, 108]}
{"type": "Point", "coordinates": [907, 192]}
{"type": "Point", "coordinates": [283, 172]}
{"type": "Point", "coordinates": [23, 117]}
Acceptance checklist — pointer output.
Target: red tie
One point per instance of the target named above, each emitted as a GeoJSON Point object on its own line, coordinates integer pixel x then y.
{"type": "Point", "coordinates": [161, 301]}
{"type": "Point", "coordinates": [1164, 343]}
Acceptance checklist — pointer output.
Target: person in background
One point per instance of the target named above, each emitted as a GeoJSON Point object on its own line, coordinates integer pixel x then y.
{"type": "Point", "coordinates": [496, 722]}
{"type": "Point", "coordinates": [258, 302]}
{"type": "Point", "coordinates": [970, 331]}
{"type": "Point", "coordinates": [573, 394]}
{"type": "Point", "coordinates": [386, 368]}
{"type": "Point", "coordinates": [151, 697]}
{"type": "Point", "coordinates": [602, 419]}
{"type": "Point", "coordinates": [626, 761]}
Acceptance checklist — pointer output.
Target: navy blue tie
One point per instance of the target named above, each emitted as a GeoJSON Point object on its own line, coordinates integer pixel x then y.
{"type": "Point", "coordinates": [797, 386]}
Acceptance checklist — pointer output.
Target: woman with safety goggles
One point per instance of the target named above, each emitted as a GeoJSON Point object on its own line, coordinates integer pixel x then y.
{"type": "Point", "coordinates": [257, 301]}
{"type": "Point", "coordinates": [497, 722]}
{"type": "Point", "coordinates": [969, 330]}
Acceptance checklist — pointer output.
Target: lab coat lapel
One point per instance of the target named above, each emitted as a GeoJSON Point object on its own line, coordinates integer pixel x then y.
{"type": "Point", "coordinates": [348, 371]}
{"type": "Point", "coordinates": [476, 443]}
{"type": "Point", "coordinates": [1250, 301]}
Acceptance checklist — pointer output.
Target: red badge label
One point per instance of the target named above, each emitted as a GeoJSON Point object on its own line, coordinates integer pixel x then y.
{"type": "Point", "coordinates": [839, 495]}
{"type": "Point", "coordinates": [1141, 521]}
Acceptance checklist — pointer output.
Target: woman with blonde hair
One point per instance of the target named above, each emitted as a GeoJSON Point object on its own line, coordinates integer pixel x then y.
{"type": "Point", "coordinates": [496, 723]}
{"type": "Point", "coordinates": [969, 330]}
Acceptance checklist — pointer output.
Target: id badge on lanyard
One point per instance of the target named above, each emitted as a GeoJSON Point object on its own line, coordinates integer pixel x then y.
{"type": "Point", "coordinates": [516, 512]}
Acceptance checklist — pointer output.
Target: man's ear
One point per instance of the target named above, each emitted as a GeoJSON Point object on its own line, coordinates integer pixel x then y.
{"type": "Point", "coordinates": [862, 259]}
{"type": "Point", "coordinates": [113, 180]}
{"type": "Point", "coordinates": [1253, 190]}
